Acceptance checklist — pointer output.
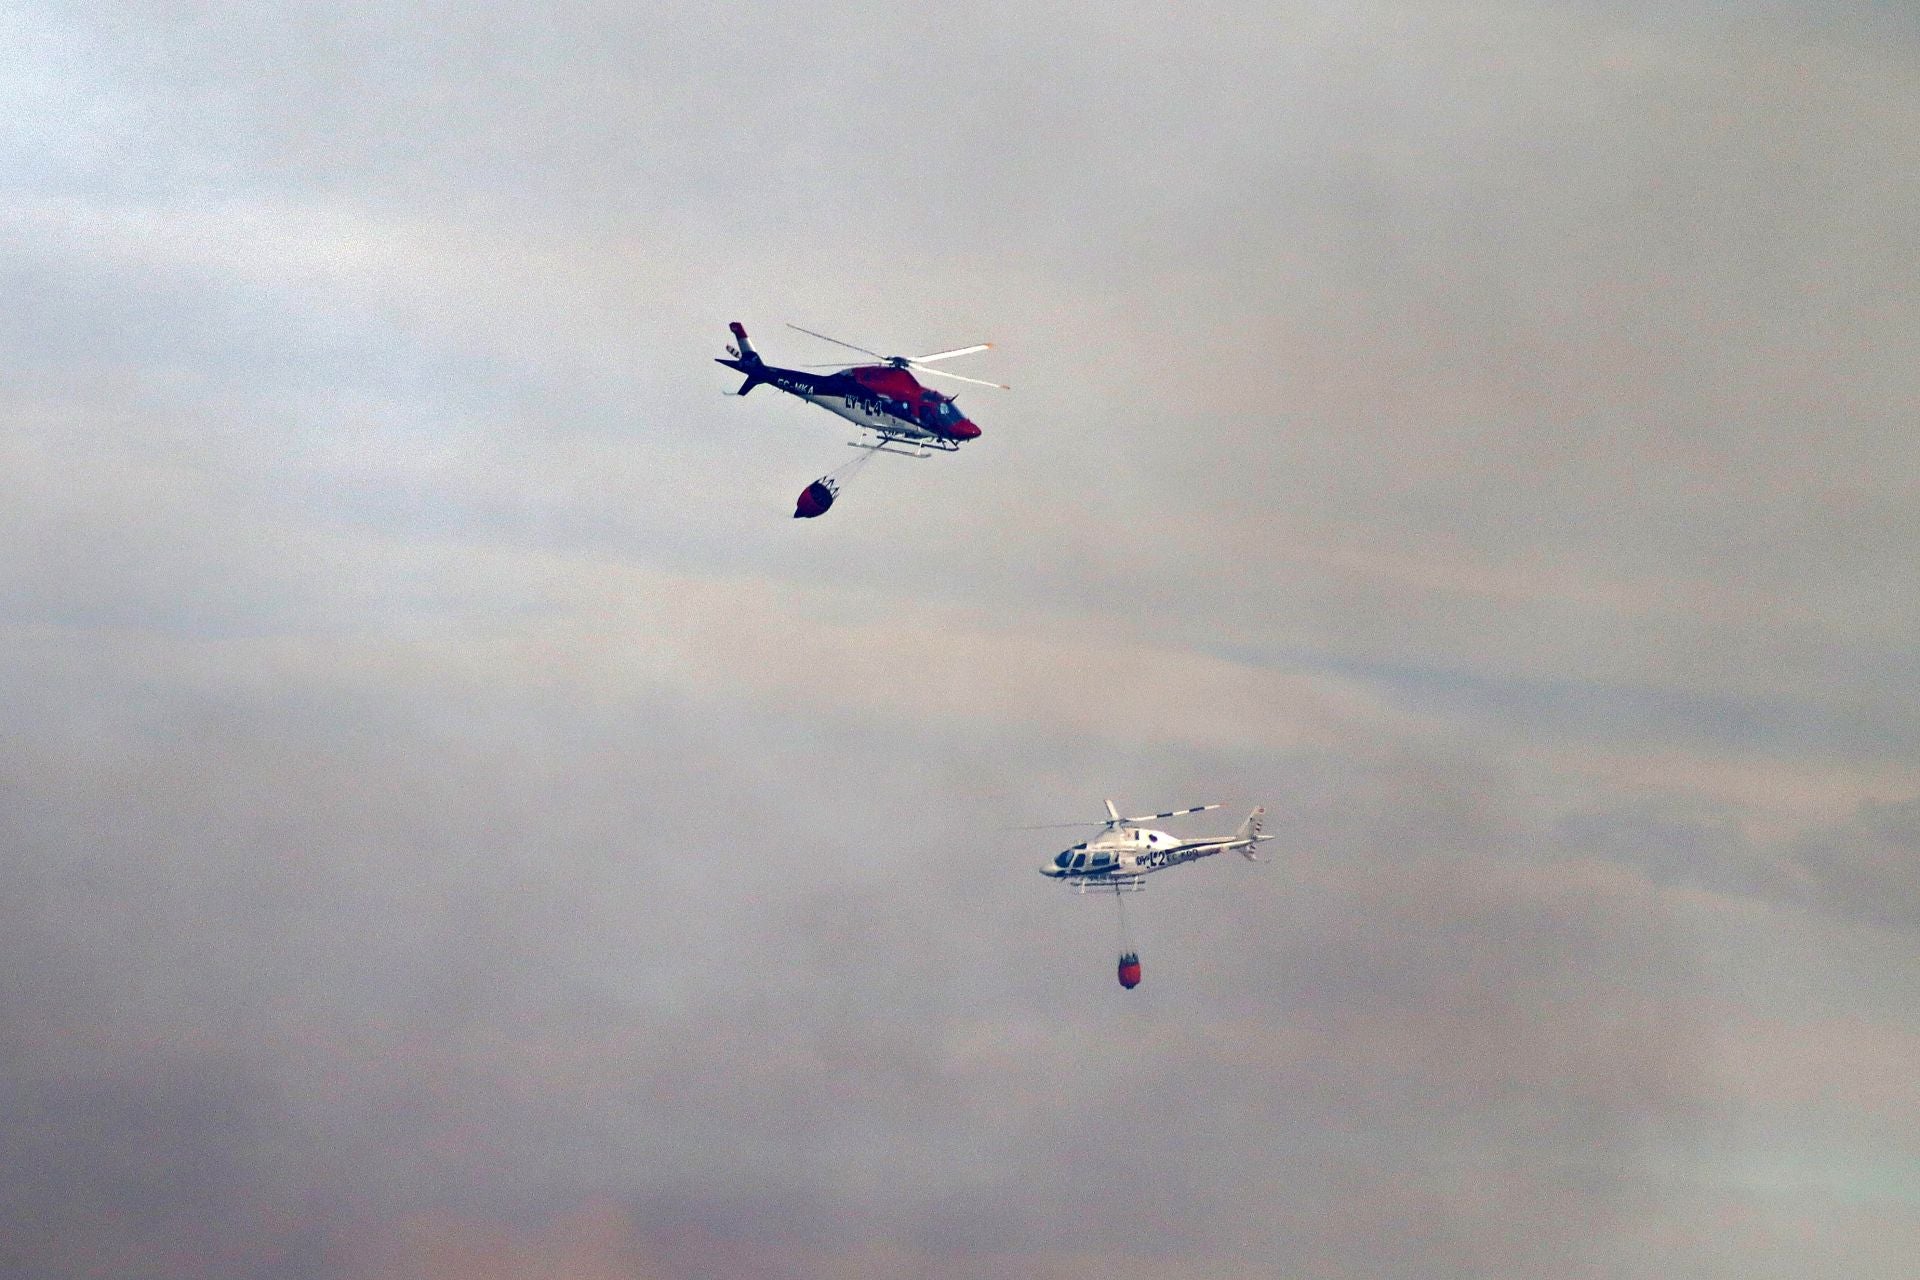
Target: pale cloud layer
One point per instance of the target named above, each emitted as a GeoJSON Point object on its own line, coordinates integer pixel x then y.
{"type": "Point", "coordinates": [456, 823]}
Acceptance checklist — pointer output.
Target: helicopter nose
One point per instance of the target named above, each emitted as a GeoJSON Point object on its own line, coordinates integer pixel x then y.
{"type": "Point", "coordinates": [964, 430]}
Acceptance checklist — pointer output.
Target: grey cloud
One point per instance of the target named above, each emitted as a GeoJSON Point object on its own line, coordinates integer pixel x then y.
{"type": "Point", "coordinates": [138, 1172]}
{"type": "Point", "coordinates": [1858, 870]}
{"type": "Point", "coordinates": [1867, 869]}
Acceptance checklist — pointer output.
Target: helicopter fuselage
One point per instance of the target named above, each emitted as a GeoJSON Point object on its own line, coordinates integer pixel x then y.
{"type": "Point", "coordinates": [1124, 856]}
{"type": "Point", "coordinates": [1130, 852]}
{"type": "Point", "coordinates": [882, 399]}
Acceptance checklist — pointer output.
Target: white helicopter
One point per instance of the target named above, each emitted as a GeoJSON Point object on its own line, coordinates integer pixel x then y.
{"type": "Point", "coordinates": [1124, 854]}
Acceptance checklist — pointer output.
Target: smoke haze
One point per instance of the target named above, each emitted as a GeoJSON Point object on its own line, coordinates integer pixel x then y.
{"type": "Point", "coordinates": [453, 822]}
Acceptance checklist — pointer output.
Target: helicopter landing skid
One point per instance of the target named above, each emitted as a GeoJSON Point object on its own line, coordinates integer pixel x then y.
{"type": "Point", "coordinates": [1106, 884]}
{"type": "Point", "coordinates": [920, 449]}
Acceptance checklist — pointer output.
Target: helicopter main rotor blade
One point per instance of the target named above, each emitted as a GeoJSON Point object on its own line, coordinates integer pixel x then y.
{"type": "Point", "coordinates": [1171, 813]}
{"type": "Point", "coordinates": [1115, 821]}
{"type": "Point", "coordinates": [948, 355]}
{"type": "Point", "coordinates": [836, 342]}
{"type": "Point", "coordinates": [942, 373]}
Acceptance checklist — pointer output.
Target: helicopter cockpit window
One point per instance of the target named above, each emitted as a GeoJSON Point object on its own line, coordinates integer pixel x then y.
{"type": "Point", "coordinates": [1079, 861]}
{"type": "Point", "coordinates": [945, 413]}
{"type": "Point", "coordinates": [1063, 859]}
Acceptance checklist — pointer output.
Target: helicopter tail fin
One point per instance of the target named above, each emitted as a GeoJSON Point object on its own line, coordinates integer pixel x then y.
{"type": "Point", "coordinates": [745, 358]}
{"type": "Point", "coordinates": [1250, 832]}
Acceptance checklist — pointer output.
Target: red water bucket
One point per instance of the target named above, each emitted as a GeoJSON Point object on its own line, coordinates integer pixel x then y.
{"type": "Point", "coordinates": [814, 500]}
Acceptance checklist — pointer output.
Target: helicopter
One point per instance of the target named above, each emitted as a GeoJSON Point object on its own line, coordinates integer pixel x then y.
{"type": "Point", "coordinates": [884, 399]}
{"type": "Point", "coordinates": [1124, 854]}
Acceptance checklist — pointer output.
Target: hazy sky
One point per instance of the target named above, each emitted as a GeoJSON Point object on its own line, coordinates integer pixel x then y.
{"type": "Point", "coordinates": [455, 823]}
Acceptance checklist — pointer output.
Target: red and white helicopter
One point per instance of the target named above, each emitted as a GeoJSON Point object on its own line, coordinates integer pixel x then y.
{"type": "Point", "coordinates": [1124, 854]}
{"type": "Point", "coordinates": [884, 400]}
